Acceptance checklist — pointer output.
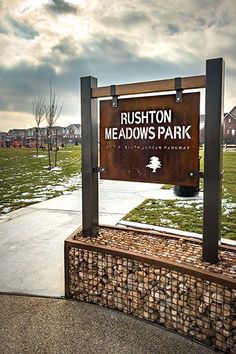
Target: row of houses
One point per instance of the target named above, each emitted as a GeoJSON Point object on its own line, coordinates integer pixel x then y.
{"type": "Point", "coordinates": [72, 133]}
{"type": "Point", "coordinates": [229, 128]}
{"type": "Point", "coordinates": [27, 137]}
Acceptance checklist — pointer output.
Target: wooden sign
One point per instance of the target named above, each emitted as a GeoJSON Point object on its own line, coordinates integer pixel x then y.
{"type": "Point", "coordinates": [151, 139]}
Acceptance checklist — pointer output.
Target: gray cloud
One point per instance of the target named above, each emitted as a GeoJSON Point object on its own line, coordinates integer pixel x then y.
{"type": "Point", "coordinates": [65, 48]}
{"type": "Point", "coordinates": [61, 7]}
{"type": "Point", "coordinates": [134, 18]}
{"type": "Point", "coordinates": [127, 21]}
{"type": "Point", "coordinates": [22, 30]}
{"type": "Point", "coordinates": [117, 43]}
{"type": "Point", "coordinates": [173, 29]}
{"type": "Point", "coordinates": [21, 83]}
{"type": "Point", "coordinates": [111, 61]}
{"type": "Point", "coordinates": [3, 29]}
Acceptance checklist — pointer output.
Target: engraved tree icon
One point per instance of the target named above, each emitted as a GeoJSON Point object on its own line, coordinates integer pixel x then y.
{"type": "Point", "coordinates": [154, 163]}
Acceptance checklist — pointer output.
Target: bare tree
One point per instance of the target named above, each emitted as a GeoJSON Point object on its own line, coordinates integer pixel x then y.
{"type": "Point", "coordinates": [38, 104]}
{"type": "Point", "coordinates": [52, 112]}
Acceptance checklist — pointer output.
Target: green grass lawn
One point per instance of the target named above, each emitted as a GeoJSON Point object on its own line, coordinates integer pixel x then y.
{"type": "Point", "coordinates": [187, 214]}
{"type": "Point", "coordinates": [25, 179]}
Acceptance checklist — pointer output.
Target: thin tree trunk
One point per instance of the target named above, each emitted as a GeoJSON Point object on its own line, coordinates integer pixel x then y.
{"type": "Point", "coordinates": [56, 150]}
{"type": "Point", "coordinates": [37, 141]}
{"type": "Point", "coordinates": [49, 148]}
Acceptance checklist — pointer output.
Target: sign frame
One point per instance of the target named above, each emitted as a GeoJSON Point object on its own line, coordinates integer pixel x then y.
{"type": "Point", "coordinates": [213, 82]}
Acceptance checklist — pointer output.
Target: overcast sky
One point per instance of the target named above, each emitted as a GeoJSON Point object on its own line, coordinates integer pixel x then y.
{"type": "Point", "coordinates": [117, 41]}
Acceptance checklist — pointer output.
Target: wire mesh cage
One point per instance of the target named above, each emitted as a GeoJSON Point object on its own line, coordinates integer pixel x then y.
{"type": "Point", "coordinates": [195, 306]}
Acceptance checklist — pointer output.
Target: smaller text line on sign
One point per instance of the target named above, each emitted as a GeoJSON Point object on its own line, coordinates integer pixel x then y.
{"type": "Point", "coordinates": [151, 139]}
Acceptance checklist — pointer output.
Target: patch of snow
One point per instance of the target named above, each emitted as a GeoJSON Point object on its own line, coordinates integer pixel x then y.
{"type": "Point", "coordinates": [52, 169]}
{"type": "Point", "coordinates": [75, 179]}
{"type": "Point", "coordinates": [188, 203]}
{"type": "Point", "coordinates": [167, 221]}
{"type": "Point", "coordinates": [59, 188]}
{"type": "Point", "coordinates": [6, 210]}
{"type": "Point", "coordinates": [32, 200]}
{"type": "Point", "coordinates": [56, 169]}
{"type": "Point", "coordinates": [228, 207]}
{"type": "Point", "coordinates": [72, 182]}
{"type": "Point", "coordinates": [39, 156]}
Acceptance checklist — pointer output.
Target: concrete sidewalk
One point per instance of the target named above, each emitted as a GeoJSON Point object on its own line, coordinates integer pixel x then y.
{"type": "Point", "coordinates": [31, 325]}
{"type": "Point", "coordinates": [32, 238]}
{"type": "Point", "coordinates": [32, 262]}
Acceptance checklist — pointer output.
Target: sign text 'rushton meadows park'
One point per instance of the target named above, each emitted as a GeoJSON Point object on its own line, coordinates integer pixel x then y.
{"type": "Point", "coordinates": [151, 139]}
{"type": "Point", "coordinates": [144, 132]}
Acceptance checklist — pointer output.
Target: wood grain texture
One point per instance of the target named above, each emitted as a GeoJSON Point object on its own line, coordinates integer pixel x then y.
{"type": "Point", "coordinates": [190, 82]}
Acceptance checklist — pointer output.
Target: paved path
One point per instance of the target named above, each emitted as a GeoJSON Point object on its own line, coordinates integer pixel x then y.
{"type": "Point", "coordinates": [32, 262]}
{"type": "Point", "coordinates": [52, 326]}
{"type": "Point", "coordinates": [32, 238]}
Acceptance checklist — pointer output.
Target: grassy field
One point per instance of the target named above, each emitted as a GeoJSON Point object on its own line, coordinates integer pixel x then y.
{"type": "Point", "coordinates": [187, 214]}
{"type": "Point", "coordinates": [25, 179]}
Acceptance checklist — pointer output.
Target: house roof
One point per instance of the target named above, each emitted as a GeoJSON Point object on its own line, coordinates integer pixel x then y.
{"type": "Point", "coordinates": [232, 113]}
{"type": "Point", "coordinates": [74, 125]}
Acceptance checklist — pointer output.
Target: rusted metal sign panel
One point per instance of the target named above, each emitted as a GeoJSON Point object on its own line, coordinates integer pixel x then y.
{"type": "Point", "coordinates": [151, 139]}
